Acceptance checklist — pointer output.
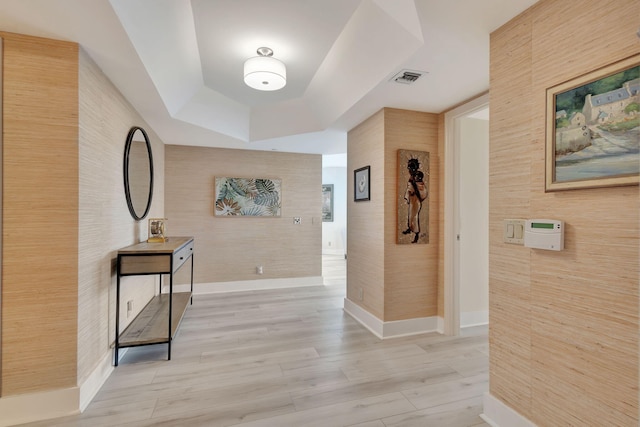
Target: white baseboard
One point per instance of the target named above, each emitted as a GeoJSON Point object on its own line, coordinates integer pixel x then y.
{"type": "Point", "coordinates": [497, 414]}
{"type": "Point", "coordinates": [474, 318]}
{"type": "Point", "coordinates": [247, 285]}
{"type": "Point", "coordinates": [30, 407]}
{"type": "Point", "coordinates": [366, 319]}
{"type": "Point", "coordinates": [96, 379]}
{"type": "Point", "coordinates": [440, 327]}
{"type": "Point", "coordinates": [393, 329]}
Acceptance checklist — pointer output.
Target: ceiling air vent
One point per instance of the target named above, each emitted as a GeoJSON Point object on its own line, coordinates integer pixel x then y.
{"type": "Point", "coordinates": [407, 76]}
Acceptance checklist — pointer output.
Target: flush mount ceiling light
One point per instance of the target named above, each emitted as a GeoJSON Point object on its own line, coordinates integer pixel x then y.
{"type": "Point", "coordinates": [264, 72]}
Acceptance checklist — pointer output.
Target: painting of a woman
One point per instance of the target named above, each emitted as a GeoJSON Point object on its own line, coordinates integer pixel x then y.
{"type": "Point", "coordinates": [413, 168]}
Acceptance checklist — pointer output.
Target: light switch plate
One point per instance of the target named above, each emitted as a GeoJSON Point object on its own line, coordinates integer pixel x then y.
{"type": "Point", "coordinates": [513, 231]}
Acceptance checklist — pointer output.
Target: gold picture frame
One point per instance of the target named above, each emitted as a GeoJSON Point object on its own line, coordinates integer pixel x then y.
{"type": "Point", "coordinates": [157, 230]}
{"type": "Point", "coordinates": [592, 129]}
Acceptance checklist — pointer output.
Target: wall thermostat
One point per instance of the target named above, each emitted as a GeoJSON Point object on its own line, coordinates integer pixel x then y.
{"type": "Point", "coordinates": [544, 234]}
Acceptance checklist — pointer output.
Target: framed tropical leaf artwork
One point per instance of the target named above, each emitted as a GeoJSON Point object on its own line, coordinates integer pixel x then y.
{"type": "Point", "coordinates": [248, 197]}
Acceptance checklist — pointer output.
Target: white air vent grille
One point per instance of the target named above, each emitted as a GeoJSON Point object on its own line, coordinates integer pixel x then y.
{"type": "Point", "coordinates": [407, 76]}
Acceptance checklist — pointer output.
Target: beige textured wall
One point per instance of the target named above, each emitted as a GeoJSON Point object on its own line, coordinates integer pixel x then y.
{"type": "Point", "coordinates": [40, 221]}
{"type": "Point", "coordinates": [410, 271]}
{"type": "Point", "coordinates": [398, 281]}
{"type": "Point", "coordinates": [105, 224]}
{"type": "Point", "coordinates": [230, 248]}
{"type": "Point", "coordinates": [63, 189]}
{"type": "Point", "coordinates": [563, 325]}
{"type": "Point", "coordinates": [365, 219]}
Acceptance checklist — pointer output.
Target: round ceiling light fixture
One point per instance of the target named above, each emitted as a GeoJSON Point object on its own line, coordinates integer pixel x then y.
{"type": "Point", "coordinates": [264, 72]}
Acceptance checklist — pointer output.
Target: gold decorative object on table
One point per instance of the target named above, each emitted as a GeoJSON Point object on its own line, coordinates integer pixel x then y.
{"type": "Point", "coordinates": [157, 230]}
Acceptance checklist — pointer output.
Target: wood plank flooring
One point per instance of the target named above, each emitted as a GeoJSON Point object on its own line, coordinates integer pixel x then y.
{"type": "Point", "coordinates": [151, 325]}
{"type": "Point", "coordinates": [292, 358]}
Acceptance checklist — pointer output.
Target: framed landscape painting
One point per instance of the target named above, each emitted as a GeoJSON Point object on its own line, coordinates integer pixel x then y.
{"type": "Point", "coordinates": [593, 129]}
{"type": "Point", "coordinates": [248, 197]}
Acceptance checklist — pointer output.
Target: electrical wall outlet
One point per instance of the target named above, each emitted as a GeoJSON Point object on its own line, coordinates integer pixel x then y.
{"type": "Point", "coordinates": [259, 270]}
{"type": "Point", "coordinates": [297, 220]}
{"type": "Point", "coordinates": [129, 307]}
{"type": "Point", "coordinates": [360, 294]}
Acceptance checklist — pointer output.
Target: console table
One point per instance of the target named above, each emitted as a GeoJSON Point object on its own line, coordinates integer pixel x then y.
{"type": "Point", "coordinates": [158, 322]}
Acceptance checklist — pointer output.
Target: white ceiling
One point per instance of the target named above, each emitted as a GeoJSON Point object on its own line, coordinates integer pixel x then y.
{"type": "Point", "coordinates": [180, 62]}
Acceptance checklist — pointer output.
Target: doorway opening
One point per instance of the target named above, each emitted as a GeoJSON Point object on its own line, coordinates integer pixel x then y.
{"type": "Point", "coordinates": [466, 211]}
{"type": "Point", "coordinates": [334, 222]}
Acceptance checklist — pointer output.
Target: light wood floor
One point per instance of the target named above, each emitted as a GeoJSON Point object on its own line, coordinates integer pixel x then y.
{"type": "Point", "coordinates": [292, 358]}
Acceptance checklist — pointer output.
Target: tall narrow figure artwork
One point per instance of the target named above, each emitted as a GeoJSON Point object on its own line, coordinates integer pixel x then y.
{"type": "Point", "coordinates": [247, 197]}
{"type": "Point", "coordinates": [413, 197]}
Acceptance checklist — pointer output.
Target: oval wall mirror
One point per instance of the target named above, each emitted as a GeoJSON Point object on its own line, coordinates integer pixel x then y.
{"type": "Point", "coordinates": [138, 173]}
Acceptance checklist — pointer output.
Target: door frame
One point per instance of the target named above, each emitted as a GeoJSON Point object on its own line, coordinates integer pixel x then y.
{"type": "Point", "coordinates": [452, 210]}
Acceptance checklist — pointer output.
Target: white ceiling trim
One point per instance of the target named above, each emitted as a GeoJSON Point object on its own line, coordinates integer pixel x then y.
{"type": "Point", "coordinates": [404, 11]}
{"type": "Point", "coordinates": [212, 110]}
{"type": "Point", "coordinates": [371, 46]}
{"type": "Point", "coordinates": [163, 35]}
{"type": "Point", "coordinates": [378, 37]}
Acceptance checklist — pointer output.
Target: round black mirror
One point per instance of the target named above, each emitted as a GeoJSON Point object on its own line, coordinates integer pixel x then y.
{"type": "Point", "coordinates": [138, 173]}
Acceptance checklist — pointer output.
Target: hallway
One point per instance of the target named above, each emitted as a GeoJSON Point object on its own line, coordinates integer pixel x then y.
{"type": "Point", "coordinates": [292, 358]}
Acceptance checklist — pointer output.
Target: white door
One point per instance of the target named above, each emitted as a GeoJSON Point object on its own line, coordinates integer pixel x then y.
{"type": "Point", "coordinates": [462, 226]}
{"type": "Point", "coordinates": [473, 208]}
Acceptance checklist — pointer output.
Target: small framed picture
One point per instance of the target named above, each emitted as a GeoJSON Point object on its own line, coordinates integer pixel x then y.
{"type": "Point", "coordinates": [361, 184]}
{"type": "Point", "coordinates": [157, 230]}
{"type": "Point", "coordinates": [327, 202]}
